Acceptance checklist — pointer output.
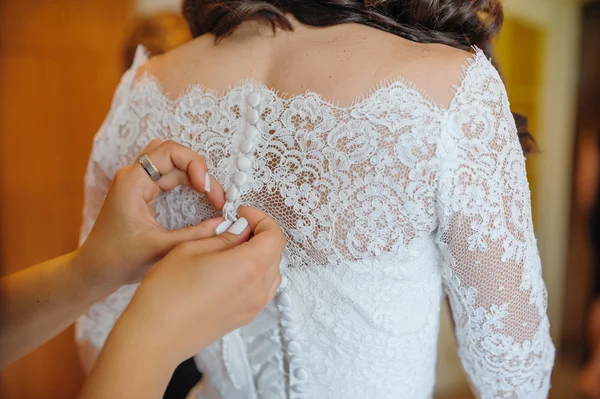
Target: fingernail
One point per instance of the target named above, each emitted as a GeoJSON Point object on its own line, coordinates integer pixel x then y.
{"type": "Point", "coordinates": [222, 228]}
{"type": "Point", "coordinates": [207, 183]}
{"type": "Point", "coordinates": [239, 226]}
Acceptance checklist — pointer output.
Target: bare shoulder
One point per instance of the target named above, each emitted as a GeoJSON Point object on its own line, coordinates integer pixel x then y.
{"type": "Point", "coordinates": [339, 62]}
{"type": "Point", "coordinates": [443, 58]}
{"type": "Point", "coordinates": [434, 68]}
{"type": "Point", "coordinates": [178, 63]}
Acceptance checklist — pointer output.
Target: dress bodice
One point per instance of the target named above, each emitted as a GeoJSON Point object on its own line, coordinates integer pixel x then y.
{"type": "Point", "coordinates": [387, 204]}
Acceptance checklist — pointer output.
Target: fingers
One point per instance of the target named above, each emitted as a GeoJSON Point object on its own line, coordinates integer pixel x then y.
{"type": "Point", "coordinates": [263, 251]}
{"type": "Point", "coordinates": [179, 165]}
{"type": "Point", "coordinates": [167, 240]}
{"type": "Point", "coordinates": [205, 229]}
{"type": "Point", "coordinates": [170, 156]}
{"type": "Point", "coordinates": [151, 145]}
{"type": "Point", "coordinates": [237, 233]}
{"type": "Point", "coordinates": [268, 239]}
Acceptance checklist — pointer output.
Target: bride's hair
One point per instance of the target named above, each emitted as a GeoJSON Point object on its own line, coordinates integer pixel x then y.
{"type": "Point", "coordinates": [457, 23]}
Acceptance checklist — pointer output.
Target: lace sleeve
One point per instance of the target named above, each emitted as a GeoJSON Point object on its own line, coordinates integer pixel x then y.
{"type": "Point", "coordinates": [103, 163]}
{"type": "Point", "coordinates": [491, 266]}
{"type": "Point", "coordinates": [104, 159]}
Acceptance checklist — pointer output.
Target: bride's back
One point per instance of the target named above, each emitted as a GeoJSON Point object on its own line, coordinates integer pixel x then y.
{"type": "Point", "coordinates": [341, 62]}
{"type": "Point", "coordinates": [416, 189]}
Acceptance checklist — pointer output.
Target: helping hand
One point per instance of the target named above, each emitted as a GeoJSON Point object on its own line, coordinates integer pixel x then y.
{"type": "Point", "coordinates": [126, 238]}
{"type": "Point", "coordinates": [202, 290]}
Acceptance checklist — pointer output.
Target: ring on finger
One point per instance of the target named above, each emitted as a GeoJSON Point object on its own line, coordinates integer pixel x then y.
{"type": "Point", "coordinates": [149, 167]}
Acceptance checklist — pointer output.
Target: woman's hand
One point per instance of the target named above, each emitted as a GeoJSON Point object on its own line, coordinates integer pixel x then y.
{"type": "Point", "coordinates": [204, 289]}
{"type": "Point", "coordinates": [126, 239]}
{"type": "Point", "coordinates": [197, 293]}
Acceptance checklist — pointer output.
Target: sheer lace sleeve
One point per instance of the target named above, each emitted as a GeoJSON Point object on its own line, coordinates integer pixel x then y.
{"type": "Point", "coordinates": [491, 267]}
{"type": "Point", "coordinates": [104, 159]}
{"type": "Point", "coordinates": [103, 163]}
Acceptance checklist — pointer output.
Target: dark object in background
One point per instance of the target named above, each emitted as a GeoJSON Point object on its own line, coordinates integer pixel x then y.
{"type": "Point", "coordinates": [526, 139]}
{"type": "Point", "coordinates": [158, 33]}
{"type": "Point", "coordinates": [186, 376]}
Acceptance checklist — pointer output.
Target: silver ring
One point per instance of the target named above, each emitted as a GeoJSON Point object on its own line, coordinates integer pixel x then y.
{"type": "Point", "coordinates": [149, 167]}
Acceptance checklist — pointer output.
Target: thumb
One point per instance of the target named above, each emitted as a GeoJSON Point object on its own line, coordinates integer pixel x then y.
{"type": "Point", "coordinates": [237, 233]}
{"type": "Point", "coordinates": [169, 239]}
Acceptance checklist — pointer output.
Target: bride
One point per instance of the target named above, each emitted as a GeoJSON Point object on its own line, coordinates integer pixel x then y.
{"type": "Point", "coordinates": [379, 136]}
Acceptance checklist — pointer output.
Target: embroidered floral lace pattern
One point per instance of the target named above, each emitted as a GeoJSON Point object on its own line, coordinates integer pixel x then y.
{"type": "Point", "coordinates": [387, 204]}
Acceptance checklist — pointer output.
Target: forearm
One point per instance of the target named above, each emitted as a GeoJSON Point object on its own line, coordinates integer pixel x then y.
{"type": "Point", "coordinates": [129, 366]}
{"type": "Point", "coordinates": [39, 302]}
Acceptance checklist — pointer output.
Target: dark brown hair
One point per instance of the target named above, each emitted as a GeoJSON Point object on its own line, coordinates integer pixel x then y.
{"type": "Point", "coordinates": [457, 23]}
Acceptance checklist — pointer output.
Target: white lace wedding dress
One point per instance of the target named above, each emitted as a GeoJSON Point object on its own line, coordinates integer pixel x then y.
{"type": "Point", "coordinates": [388, 205]}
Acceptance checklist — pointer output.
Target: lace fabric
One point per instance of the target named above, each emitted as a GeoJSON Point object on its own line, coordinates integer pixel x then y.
{"type": "Point", "coordinates": [386, 204]}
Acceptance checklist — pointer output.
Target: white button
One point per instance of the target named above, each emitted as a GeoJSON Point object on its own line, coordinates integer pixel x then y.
{"type": "Point", "coordinates": [232, 193]}
{"type": "Point", "coordinates": [252, 116]}
{"type": "Point", "coordinates": [295, 360]}
{"type": "Point", "coordinates": [294, 347]}
{"type": "Point", "coordinates": [240, 178]}
{"type": "Point", "coordinates": [246, 146]}
{"type": "Point", "coordinates": [251, 132]}
{"type": "Point", "coordinates": [284, 283]}
{"type": "Point", "coordinates": [297, 388]}
{"type": "Point", "coordinates": [300, 374]}
{"type": "Point", "coordinates": [284, 299]}
{"type": "Point", "coordinates": [290, 332]}
{"type": "Point", "coordinates": [287, 317]}
{"type": "Point", "coordinates": [244, 164]}
{"type": "Point", "coordinates": [253, 99]}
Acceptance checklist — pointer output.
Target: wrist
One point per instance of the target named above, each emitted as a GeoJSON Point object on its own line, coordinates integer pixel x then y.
{"type": "Point", "coordinates": [144, 342]}
{"type": "Point", "coordinates": [87, 270]}
{"type": "Point", "coordinates": [128, 366]}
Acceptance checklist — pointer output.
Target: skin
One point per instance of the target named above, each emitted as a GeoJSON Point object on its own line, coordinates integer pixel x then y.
{"type": "Point", "coordinates": [227, 279]}
{"type": "Point", "coordinates": [341, 62]}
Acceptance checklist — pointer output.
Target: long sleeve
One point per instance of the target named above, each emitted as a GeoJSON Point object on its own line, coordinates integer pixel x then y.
{"type": "Point", "coordinates": [103, 163]}
{"type": "Point", "coordinates": [491, 267]}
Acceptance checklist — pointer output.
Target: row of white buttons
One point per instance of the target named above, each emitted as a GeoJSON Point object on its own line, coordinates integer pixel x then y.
{"type": "Point", "coordinates": [247, 145]}
{"type": "Point", "coordinates": [290, 335]}
{"type": "Point", "coordinates": [240, 177]}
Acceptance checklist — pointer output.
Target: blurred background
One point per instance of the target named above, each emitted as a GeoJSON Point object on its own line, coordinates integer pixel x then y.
{"type": "Point", "coordinates": [61, 60]}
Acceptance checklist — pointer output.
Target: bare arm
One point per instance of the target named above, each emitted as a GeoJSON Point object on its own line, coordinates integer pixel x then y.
{"type": "Point", "coordinates": [224, 282]}
{"type": "Point", "coordinates": [39, 302]}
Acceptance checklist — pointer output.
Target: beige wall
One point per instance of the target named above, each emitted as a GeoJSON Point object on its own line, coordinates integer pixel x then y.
{"type": "Point", "coordinates": [59, 65]}
{"type": "Point", "coordinates": [560, 20]}
{"type": "Point", "coordinates": [158, 5]}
